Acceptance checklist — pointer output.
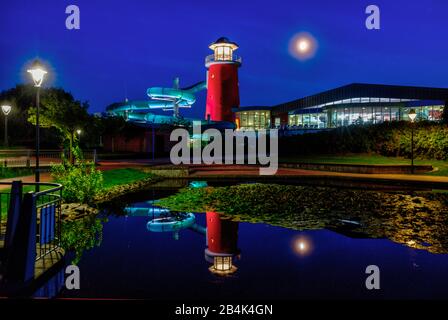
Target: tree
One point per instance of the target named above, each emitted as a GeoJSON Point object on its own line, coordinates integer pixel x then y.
{"type": "Point", "coordinates": [445, 113]}
{"type": "Point", "coordinates": [60, 110]}
{"type": "Point", "coordinates": [21, 98]}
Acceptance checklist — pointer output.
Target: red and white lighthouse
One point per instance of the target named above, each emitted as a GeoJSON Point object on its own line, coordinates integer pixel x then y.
{"type": "Point", "coordinates": [222, 81]}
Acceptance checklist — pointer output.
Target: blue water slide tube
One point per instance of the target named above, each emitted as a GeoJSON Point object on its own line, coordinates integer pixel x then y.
{"type": "Point", "coordinates": [162, 98]}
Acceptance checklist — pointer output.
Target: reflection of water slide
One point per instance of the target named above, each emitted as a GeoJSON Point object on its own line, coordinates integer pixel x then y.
{"type": "Point", "coordinates": [162, 220]}
{"type": "Point", "coordinates": [172, 223]}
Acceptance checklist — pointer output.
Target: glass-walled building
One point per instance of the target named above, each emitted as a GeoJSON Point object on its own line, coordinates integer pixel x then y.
{"type": "Point", "coordinates": [253, 118]}
{"type": "Point", "coordinates": [358, 104]}
{"type": "Point", "coordinates": [373, 113]}
{"type": "Point", "coordinates": [310, 118]}
{"type": "Point", "coordinates": [354, 104]}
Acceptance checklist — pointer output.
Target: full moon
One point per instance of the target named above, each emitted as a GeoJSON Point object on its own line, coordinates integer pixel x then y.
{"type": "Point", "coordinates": [303, 46]}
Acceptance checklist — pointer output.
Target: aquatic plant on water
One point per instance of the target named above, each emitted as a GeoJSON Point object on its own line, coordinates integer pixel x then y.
{"type": "Point", "coordinates": [418, 220]}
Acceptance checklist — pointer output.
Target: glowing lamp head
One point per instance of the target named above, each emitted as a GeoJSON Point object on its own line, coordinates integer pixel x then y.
{"type": "Point", "coordinates": [223, 49]}
{"type": "Point", "coordinates": [78, 132]}
{"type": "Point", "coordinates": [37, 72]}
{"type": "Point", "coordinates": [6, 109]}
{"type": "Point", "coordinates": [412, 115]}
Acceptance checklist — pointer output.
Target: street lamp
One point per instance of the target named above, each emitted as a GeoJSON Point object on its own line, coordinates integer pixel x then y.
{"type": "Point", "coordinates": [37, 73]}
{"type": "Point", "coordinates": [6, 110]}
{"type": "Point", "coordinates": [79, 136]}
{"type": "Point", "coordinates": [412, 116]}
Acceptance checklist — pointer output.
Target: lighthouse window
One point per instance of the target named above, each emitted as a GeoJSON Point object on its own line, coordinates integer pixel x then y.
{"type": "Point", "coordinates": [223, 53]}
{"type": "Point", "coordinates": [222, 263]}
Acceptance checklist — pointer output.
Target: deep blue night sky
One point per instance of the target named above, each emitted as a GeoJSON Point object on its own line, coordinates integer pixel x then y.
{"type": "Point", "coordinates": [124, 47]}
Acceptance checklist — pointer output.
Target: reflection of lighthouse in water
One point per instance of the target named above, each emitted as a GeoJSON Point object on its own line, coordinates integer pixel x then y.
{"type": "Point", "coordinates": [222, 242]}
{"type": "Point", "coordinates": [221, 234]}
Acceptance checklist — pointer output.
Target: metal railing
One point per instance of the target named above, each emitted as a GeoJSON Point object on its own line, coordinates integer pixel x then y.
{"type": "Point", "coordinates": [212, 59]}
{"type": "Point", "coordinates": [49, 219]}
{"type": "Point", "coordinates": [26, 158]}
{"type": "Point", "coordinates": [4, 207]}
{"type": "Point", "coordinates": [45, 209]}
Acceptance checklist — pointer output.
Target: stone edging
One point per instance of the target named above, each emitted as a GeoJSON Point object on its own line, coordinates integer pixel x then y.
{"type": "Point", "coordinates": [75, 211]}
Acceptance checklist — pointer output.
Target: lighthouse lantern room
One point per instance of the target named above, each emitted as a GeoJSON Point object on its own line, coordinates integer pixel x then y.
{"type": "Point", "coordinates": [223, 49]}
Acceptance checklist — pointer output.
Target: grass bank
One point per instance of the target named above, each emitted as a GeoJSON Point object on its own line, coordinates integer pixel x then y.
{"type": "Point", "coordinates": [111, 179]}
{"type": "Point", "coordinates": [118, 177]}
{"type": "Point", "coordinates": [371, 159]}
{"type": "Point", "coordinates": [7, 173]}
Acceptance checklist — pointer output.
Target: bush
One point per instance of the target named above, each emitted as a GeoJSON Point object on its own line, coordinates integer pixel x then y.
{"type": "Point", "coordinates": [387, 139]}
{"type": "Point", "coordinates": [81, 181]}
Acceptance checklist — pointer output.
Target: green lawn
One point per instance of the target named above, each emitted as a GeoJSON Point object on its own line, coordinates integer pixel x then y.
{"type": "Point", "coordinates": [368, 159]}
{"type": "Point", "coordinates": [111, 178]}
{"type": "Point", "coordinates": [7, 173]}
{"type": "Point", "coordinates": [123, 176]}
{"type": "Point", "coordinates": [4, 199]}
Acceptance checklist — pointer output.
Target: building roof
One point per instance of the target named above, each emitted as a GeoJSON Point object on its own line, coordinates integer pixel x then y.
{"type": "Point", "coordinates": [223, 40]}
{"type": "Point", "coordinates": [251, 108]}
{"type": "Point", "coordinates": [357, 90]}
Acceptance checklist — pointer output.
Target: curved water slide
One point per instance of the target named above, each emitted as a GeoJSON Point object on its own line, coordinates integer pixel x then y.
{"type": "Point", "coordinates": [167, 99]}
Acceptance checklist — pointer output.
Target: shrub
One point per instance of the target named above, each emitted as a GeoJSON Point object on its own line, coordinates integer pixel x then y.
{"type": "Point", "coordinates": [81, 181]}
{"type": "Point", "coordinates": [388, 139]}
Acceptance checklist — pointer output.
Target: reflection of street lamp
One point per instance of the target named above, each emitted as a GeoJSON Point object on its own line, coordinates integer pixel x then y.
{"type": "Point", "coordinates": [6, 110]}
{"type": "Point", "coordinates": [37, 73]}
{"type": "Point", "coordinates": [412, 116]}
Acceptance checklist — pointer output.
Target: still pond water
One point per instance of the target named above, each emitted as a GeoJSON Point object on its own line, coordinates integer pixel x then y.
{"type": "Point", "coordinates": [137, 260]}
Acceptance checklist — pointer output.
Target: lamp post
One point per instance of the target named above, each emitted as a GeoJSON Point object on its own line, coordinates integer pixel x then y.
{"type": "Point", "coordinates": [6, 110]}
{"type": "Point", "coordinates": [37, 73]}
{"type": "Point", "coordinates": [412, 116]}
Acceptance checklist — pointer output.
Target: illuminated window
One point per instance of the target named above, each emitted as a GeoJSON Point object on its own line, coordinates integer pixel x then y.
{"type": "Point", "coordinates": [223, 53]}
{"type": "Point", "coordinates": [255, 120]}
{"type": "Point", "coordinates": [365, 100]}
{"type": "Point", "coordinates": [222, 263]}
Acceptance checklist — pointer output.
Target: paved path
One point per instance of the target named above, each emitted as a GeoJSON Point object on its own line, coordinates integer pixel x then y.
{"type": "Point", "coordinates": [103, 166]}
{"type": "Point", "coordinates": [44, 177]}
{"type": "Point", "coordinates": [283, 174]}
{"type": "Point", "coordinates": [253, 171]}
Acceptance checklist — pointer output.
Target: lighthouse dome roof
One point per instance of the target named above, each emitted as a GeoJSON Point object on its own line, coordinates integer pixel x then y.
{"type": "Point", "coordinates": [223, 40]}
